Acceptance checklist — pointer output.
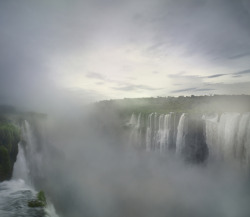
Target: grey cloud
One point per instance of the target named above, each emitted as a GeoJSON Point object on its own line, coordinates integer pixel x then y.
{"type": "Point", "coordinates": [236, 74]}
{"type": "Point", "coordinates": [188, 82]}
{"type": "Point", "coordinates": [183, 90]}
{"type": "Point", "coordinates": [192, 89]}
{"type": "Point", "coordinates": [204, 89]}
{"type": "Point", "coordinates": [183, 75]}
{"type": "Point", "coordinates": [132, 87]}
{"type": "Point", "coordinates": [240, 55]}
{"type": "Point", "coordinates": [95, 75]}
{"type": "Point", "coordinates": [242, 72]}
{"type": "Point", "coordinates": [211, 84]}
{"type": "Point", "coordinates": [228, 88]}
{"type": "Point", "coordinates": [156, 46]}
{"type": "Point", "coordinates": [233, 88]}
{"type": "Point", "coordinates": [215, 76]}
{"type": "Point", "coordinates": [216, 30]}
{"type": "Point", "coordinates": [33, 33]}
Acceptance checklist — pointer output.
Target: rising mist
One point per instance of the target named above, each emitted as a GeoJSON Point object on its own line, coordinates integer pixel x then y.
{"type": "Point", "coordinates": [88, 168]}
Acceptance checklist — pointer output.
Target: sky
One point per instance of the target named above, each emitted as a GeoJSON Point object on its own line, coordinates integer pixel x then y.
{"type": "Point", "coordinates": [69, 52]}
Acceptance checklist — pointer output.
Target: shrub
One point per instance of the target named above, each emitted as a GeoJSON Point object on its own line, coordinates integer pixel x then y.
{"type": "Point", "coordinates": [9, 138]}
{"type": "Point", "coordinates": [5, 165]}
{"type": "Point", "coordinates": [39, 202]}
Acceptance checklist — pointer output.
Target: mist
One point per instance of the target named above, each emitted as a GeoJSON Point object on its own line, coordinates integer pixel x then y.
{"type": "Point", "coordinates": [99, 157]}
{"type": "Point", "coordinates": [58, 54]}
{"type": "Point", "coordinates": [88, 168]}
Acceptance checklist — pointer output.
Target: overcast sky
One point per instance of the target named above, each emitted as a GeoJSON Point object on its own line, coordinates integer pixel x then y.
{"type": "Point", "coordinates": [57, 51]}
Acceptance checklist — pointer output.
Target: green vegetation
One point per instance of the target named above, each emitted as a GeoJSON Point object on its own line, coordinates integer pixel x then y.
{"type": "Point", "coordinates": [5, 165]}
{"type": "Point", "coordinates": [9, 138]}
{"type": "Point", "coordinates": [39, 202]}
{"type": "Point", "coordinates": [41, 196]}
{"type": "Point", "coordinates": [188, 104]}
{"type": "Point", "coordinates": [10, 135]}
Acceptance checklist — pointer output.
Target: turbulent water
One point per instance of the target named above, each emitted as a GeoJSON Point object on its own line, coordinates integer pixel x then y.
{"type": "Point", "coordinates": [16, 193]}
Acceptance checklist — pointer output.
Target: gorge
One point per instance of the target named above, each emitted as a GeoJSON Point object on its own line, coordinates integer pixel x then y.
{"type": "Point", "coordinates": [101, 163]}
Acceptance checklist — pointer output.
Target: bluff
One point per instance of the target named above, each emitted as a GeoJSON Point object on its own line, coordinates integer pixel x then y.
{"type": "Point", "coordinates": [196, 128]}
{"type": "Point", "coordinates": [9, 138]}
{"type": "Point", "coordinates": [11, 121]}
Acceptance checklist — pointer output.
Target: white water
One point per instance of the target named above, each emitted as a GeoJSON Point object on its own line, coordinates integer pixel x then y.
{"type": "Point", "coordinates": [14, 197]}
{"type": "Point", "coordinates": [181, 133]}
{"type": "Point", "coordinates": [21, 170]}
{"type": "Point", "coordinates": [16, 193]}
{"type": "Point", "coordinates": [227, 136]}
{"type": "Point", "coordinates": [136, 134]}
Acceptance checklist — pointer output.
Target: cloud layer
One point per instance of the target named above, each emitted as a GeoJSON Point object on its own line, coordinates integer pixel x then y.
{"type": "Point", "coordinates": [56, 52]}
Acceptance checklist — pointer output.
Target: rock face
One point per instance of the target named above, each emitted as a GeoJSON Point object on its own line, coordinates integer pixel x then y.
{"type": "Point", "coordinates": [191, 142]}
{"type": "Point", "coordinates": [9, 138]}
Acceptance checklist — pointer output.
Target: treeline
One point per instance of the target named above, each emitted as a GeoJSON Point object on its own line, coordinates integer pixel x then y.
{"type": "Point", "coordinates": [10, 120]}
{"type": "Point", "coordinates": [189, 104]}
{"type": "Point", "coordinates": [9, 138]}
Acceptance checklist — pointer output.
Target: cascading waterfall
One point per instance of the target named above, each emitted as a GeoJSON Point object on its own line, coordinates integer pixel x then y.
{"type": "Point", "coordinates": [21, 170]}
{"type": "Point", "coordinates": [25, 151]}
{"type": "Point", "coordinates": [136, 134]}
{"type": "Point", "coordinates": [211, 132]}
{"type": "Point", "coordinates": [160, 132]}
{"type": "Point", "coordinates": [132, 120]}
{"type": "Point", "coordinates": [243, 130]}
{"type": "Point", "coordinates": [181, 133]}
{"type": "Point", "coordinates": [157, 132]}
{"type": "Point", "coordinates": [29, 159]}
{"type": "Point", "coordinates": [149, 132]}
{"type": "Point", "coordinates": [228, 136]}
{"type": "Point", "coordinates": [34, 156]}
{"type": "Point", "coordinates": [168, 132]}
{"type": "Point", "coordinates": [19, 190]}
{"type": "Point", "coordinates": [225, 136]}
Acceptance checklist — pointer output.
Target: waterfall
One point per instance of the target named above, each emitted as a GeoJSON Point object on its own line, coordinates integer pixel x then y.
{"type": "Point", "coordinates": [161, 133]}
{"type": "Point", "coordinates": [21, 167]}
{"type": "Point", "coordinates": [155, 132]}
{"type": "Point", "coordinates": [168, 131]}
{"type": "Point", "coordinates": [136, 134]}
{"type": "Point", "coordinates": [181, 133]}
{"type": "Point", "coordinates": [16, 193]}
{"type": "Point", "coordinates": [21, 170]}
{"type": "Point", "coordinates": [228, 136]}
{"type": "Point", "coordinates": [149, 135]}
{"type": "Point", "coordinates": [241, 139]}
{"type": "Point", "coordinates": [221, 137]}
{"type": "Point", "coordinates": [211, 133]}
{"type": "Point", "coordinates": [165, 133]}
{"type": "Point", "coordinates": [34, 155]}
{"type": "Point", "coordinates": [152, 135]}
{"type": "Point", "coordinates": [132, 120]}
